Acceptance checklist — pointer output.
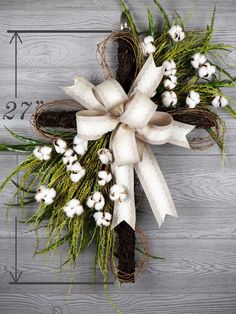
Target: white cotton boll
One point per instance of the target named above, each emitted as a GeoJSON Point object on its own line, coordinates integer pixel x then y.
{"type": "Point", "coordinates": [37, 153]}
{"type": "Point", "coordinates": [223, 101]}
{"type": "Point", "coordinates": [75, 167]}
{"type": "Point", "coordinates": [69, 211]}
{"type": "Point", "coordinates": [79, 210]}
{"type": "Point", "coordinates": [176, 33]}
{"type": "Point", "coordinates": [46, 152]}
{"type": "Point", "coordinates": [105, 223]}
{"type": "Point", "coordinates": [48, 200]}
{"type": "Point", "coordinates": [198, 60]}
{"type": "Point", "coordinates": [107, 216]}
{"type": "Point", "coordinates": [42, 153]}
{"type": "Point", "coordinates": [76, 177]}
{"type": "Point", "coordinates": [148, 39]}
{"type": "Point", "coordinates": [41, 193]}
{"type": "Point", "coordinates": [206, 70]}
{"type": "Point", "coordinates": [170, 67]}
{"type": "Point", "coordinates": [96, 201]}
{"type": "Point", "coordinates": [80, 146]}
{"type": "Point", "coordinates": [74, 202]}
{"type": "Point", "coordinates": [98, 215]}
{"type": "Point", "coordinates": [60, 146]}
{"type": "Point", "coordinates": [105, 156]}
{"type": "Point", "coordinates": [147, 45]}
{"type": "Point", "coordinates": [50, 195]}
{"type": "Point", "coordinates": [150, 48]}
{"type": "Point", "coordinates": [169, 99]}
{"type": "Point", "coordinates": [104, 177]}
{"type": "Point", "coordinates": [100, 205]}
{"type": "Point", "coordinates": [99, 222]}
{"type": "Point", "coordinates": [193, 99]}
{"type": "Point", "coordinates": [45, 194]}
{"type": "Point", "coordinates": [97, 196]}
{"type": "Point", "coordinates": [90, 202]}
{"type": "Point", "coordinates": [170, 82]}
{"type": "Point", "coordinates": [118, 193]}
{"type": "Point", "coordinates": [73, 208]}
{"type": "Point", "coordinates": [219, 101]}
{"type": "Point", "coordinates": [69, 157]}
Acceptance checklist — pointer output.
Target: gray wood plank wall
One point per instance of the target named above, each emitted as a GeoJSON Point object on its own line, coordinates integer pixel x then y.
{"type": "Point", "coordinates": [199, 272]}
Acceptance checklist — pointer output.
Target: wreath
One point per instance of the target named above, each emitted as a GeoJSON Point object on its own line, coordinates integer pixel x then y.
{"type": "Point", "coordinates": [81, 169]}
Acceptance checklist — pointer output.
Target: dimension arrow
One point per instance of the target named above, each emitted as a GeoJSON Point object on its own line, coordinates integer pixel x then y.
{"type": "Point", "coordinates": [50, 31]}
{"type": "Point", "coordinates": [16, 276]}
{"type": "Point", "coordinates": [16, 37]}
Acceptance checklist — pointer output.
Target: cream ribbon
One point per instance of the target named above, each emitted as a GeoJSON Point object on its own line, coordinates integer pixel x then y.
{"type": "Point", "coordinates": [134, 123]}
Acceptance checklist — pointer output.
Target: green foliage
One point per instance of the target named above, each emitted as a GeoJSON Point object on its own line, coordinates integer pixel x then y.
{"type": "Point", "coordinates": [166, 21]}
{"type": "Point", "coordinates": [152, 27]}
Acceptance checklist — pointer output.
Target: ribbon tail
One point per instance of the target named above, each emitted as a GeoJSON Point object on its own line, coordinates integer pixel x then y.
{"type": "Point", "coordinates": [179, 132]}
{"type": "Point", "coordinates": [155, 186]}
{"type": "Point", "coordinates": [125, 210]}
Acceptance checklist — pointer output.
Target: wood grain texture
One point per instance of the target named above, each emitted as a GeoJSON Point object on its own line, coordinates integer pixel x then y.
{"type": "Point", "coordinates": [198, 274]}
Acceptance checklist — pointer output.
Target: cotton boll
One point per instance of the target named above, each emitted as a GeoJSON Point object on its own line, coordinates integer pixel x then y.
{"type": "Point", "coordinates": [37, 153]}
{"type": "Point", "coordinates": [41, 193]}
{"type": "Point", "coordinates": [105, 223]}
{"type": "Point", "coordinates": [148, 39]}
{"type": "Point", "coordinates": [105, 156]}
{"type": "Point", "coordinates": [118, 193]}
{"type": "Point", "coordinates": [98, 216]}
{"type": "Point", "coordinates": [73, 208]}
{"type": "Point", "coordinates": [176, 33]}
{"type": "Point", "coordinates": [42, 153]}
{"type": "Point", "coordinates": [46, 152]}
{"type": "Point", "coordinates": [147, 45]}
{"type": "Point", "coordinates": [150, 48]}
{"type": "Point", "coordinates": [193, 99]}
{"type": "Point", "coordinates": [102, 219]}
{"type": "Point", "coordinates": [206, 70]}
{"type": "Point", "coordinates": [79, 210]}
{"type": "Point", "coordinates": [75, 167]}
{"type": "Point", "coordinates": [169, 99]}
{"type": "Point", "coordinates": [60, 146]}
{"type": "Point", "coordinates": [74, 202]}
{"type": "Point", "coordinates": [170, 67]}
{"type": "Point", "coordinates": [48, 200]}
{"type": "Point", "coordinates": [69, 157]}
{"type": "Point", "coordinates": [96, 201]}
{"type": "Point", "coordinates": [80, 146]}
{"type": "Point", "coordinates": [107, 216]}
{"type": "Point", "coordinates": [45, 195]}
{"type": "Point", "coordinates": [104, 177]}
{"type": "Point", "coordinates": [198, 60]}
{"type": "Point", "coordinates": [76, 177]}
{"type": "Point", "coordinates": [170, 82]}
{"type": "Point", "coordinates": [219, 101]}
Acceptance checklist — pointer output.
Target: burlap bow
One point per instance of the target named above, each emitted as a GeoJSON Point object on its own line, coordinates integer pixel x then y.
{"type": "Point", "coordinates": [134, 123]}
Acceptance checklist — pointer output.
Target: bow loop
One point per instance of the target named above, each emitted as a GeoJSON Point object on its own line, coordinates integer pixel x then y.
{"type": "Point", "coordinates": [148, 78]}
{"type": "Point", "coordinates": [126, 149]}
{"type": "Point", "coordinates": [110, 93]}
{"type": "Point", "coordinates": [159, 129]}
{"type": "Point", "coordinates": [138, 111]}
{"type": "Point", "coordinates": [92, 125]}
{"type": "Point", "coordinates": [82, 92]}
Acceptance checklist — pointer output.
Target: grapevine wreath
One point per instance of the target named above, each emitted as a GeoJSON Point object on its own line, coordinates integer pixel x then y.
{"type": "Point", "coordinates": [81, 171]}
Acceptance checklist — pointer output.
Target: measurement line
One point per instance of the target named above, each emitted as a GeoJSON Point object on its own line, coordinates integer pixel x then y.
{"type": "Point", "coordinates": [82, 31]}
{"type": "Point", "coordinates": [16, 277]}
{"type": "Point", "coordinates": [58, 283]}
